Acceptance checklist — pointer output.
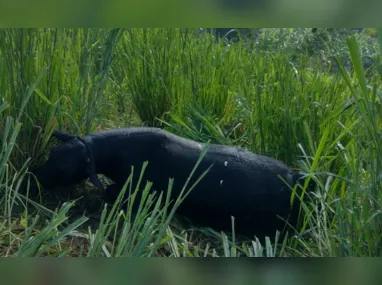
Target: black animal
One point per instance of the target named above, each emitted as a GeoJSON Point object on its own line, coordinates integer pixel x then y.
{"type": "Point", "coordinates": [240, 183]}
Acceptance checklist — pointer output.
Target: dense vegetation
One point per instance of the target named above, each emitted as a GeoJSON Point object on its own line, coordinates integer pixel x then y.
{"type": "Point", "coordinates": [310, 100]}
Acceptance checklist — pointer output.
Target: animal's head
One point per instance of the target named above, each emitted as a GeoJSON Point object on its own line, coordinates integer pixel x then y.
{"type": "Point", "coordinates": [68, 163]}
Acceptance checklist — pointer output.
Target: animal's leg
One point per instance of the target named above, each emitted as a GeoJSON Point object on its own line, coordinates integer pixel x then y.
{"type": "Point", "coordinates": [111, 193]}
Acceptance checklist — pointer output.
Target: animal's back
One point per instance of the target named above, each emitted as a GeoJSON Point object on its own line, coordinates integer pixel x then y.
{"type": "Point", "coordinates": [174, 156]}
{"type": "Point", "coordinates": [235, 172]}
{"type": "Point", "coordinates": [126, 132]}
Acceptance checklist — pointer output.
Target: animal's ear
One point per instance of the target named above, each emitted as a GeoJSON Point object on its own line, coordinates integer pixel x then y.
{"type": "Point", "coordinates": [93, 177]}
{"type": "Point", "coordinates": [90, 167]}
{"type": "Point", "coordinates": [95, 181]}
{"type": "Point", "coordinates": [63, 136]}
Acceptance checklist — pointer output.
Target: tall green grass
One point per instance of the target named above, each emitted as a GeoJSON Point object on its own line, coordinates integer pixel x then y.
{"type": "Point", "coordinates": [62, 73]}
{"type": "Point", "coordinates": [268, 96]}
{"type": "Point", "coordinates": [204, 89]}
